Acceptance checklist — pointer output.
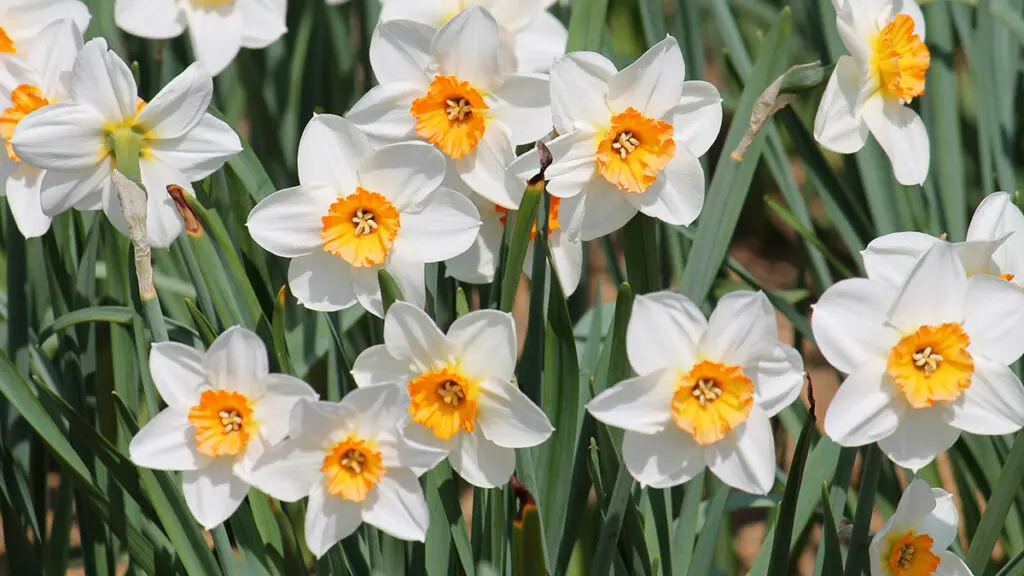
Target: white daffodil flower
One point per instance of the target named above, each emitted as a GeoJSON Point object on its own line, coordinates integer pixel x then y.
{"type": "Point", "coordinates": [463, 401]}
{"type": "Point", "coordinates": [869, 88]}
{"type": "Point", "coordinates": [217, 28]}
{"type": "Point", "coordinates": [704, 392]}
{"type": "Point", "coordinates": [34, 78]}
{"type": "Point", "coordinates": [356, 210]}
{"type": "Point", "coordinates": [533, 35]}
{"type": "Point", "coordinates": [353, 462]}
{"type": "Point", "coordinates": [224, 409]}
{"type": "Point", "coordinates": [629, 140]}
{"type": "Point", "coordinates": [21, 21]}
{"type": "Point", "coordinates": [447, 88]}
{"type": "Point", "coordinates": [925, 360]}
{"type": "Point", "coordinates": [914, 541]}
{"type": "Point", "coordinates": [995, 245]}
{"type": "Point", "coordinates": [478, 264]}
{"type": "Point", "coordinates": [72, 141]}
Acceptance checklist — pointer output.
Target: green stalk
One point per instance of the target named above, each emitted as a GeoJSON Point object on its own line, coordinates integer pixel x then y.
{"type": "Point", "coordinates": [865, 506]}
{"type": "Point", "coordinates": [521, 232]}
{"type": "Point", "coordinates": [640, 239]}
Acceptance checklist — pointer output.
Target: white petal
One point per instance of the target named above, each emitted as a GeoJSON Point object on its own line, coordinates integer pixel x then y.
{"type": "Point", "coordinates": [478, 263]}
{"type": "Point", "coordinates": [375, 366]}
{"type": "Point", "coordinates": [849, 323]}
{"type": "Point", "coordinates": [430, 12]}
{"type": "Point", "coordinates": [485, 342]}
{"type": "Point", "coordinates": [288, 223]}
{"type": "Point", "coordinates": [838, 125]}
{"type": "Point", "coordinates": [993, 404]}
{"type": "Point", "coordinates": [941, 523]}
{"type": "Point", "coordinates": [59, 43]}
{"type": "Point", "coordinates": [178, 373]}
{"type": "Point", "coordinates": [331, 151]}
{"type": "Point", "coordinates": [102, 81]}
{"type": "Point", "coordinates": [567, 257]}
{"type": "Point", "coordinates": [642, 404]}
{"type": "Point", "coordinates": [579, 87]}
{"type": "Point", "coordinates": [915, 505]}
{"type": "Point", "coordinates": [405, 173]}
{"type": "Point", "coordinates": [779, 379]}
{"type": "Point", "coordinates": [400, 52]}
{"type": "Point", "coordinates": [890, 257]}
{"type": "Point", "coordinates": [996, 216]}
{"type": "Point", "coordinates": [510, 419]}
{"type": "Point", "coordinates": [315, 425]}
{"type": "Point", "coordinates": [866, 408]}
{"type": "Point", "coordinates": [366, 284]}
{"type": "Point", "coordinates": [410, 334]}
{"type": "Point", "coordinates": [64, 136]}
{"type": "Point", "coordinates": [377, 411]}
{"type": "Point", "coordinates": [263, 22]}
{"type": "Point", "coordinates": [903, 136]}
{"type": "Point", "coordinates": [467, 48]}
{"type": "Point", "coordinates": [61, 190]}
{"type": "Point", "coordinates": [540, 43]}
{"type": "Point", "coordinates": [180, 105]}
{"type": "Point", "coordinates": [157, 19]}
{"type": "Point", "coordinates": [574, 164]}
{"type": "Point", "coordinates": [912, 9]}
{"type": "Point", "coordinates": [288, 471]}
{"type": "Point", "coordinates": [397, 506]}
{"type": "Point", "coordinates": [664, 331]}
{"type": "Point", "coordinates": [410, 276]}
{"type": "Point", "coordinates": [745, 458]}
{"type": "Point", "coordinates": [424, 442]}
{"type": "Point", "coordinates": [200, 152]}
{"type": "Point", "coordinates": [213, 493]}
{"type": "Point", "coordinates": [237, 360]}
{"type": "Point", "coordinates": [597, 211]}
{"type": "Point", "coordinates": [445, 226]}
{"type": "Point", "coordinates": [921, 435]}
{"type": "Point", "coordinates": [22, 191]}
{"type": "Point", "coordinates": [994, 319]}
{"type": "Point", "coordinates": [524, 107]}
{"type": "Point", "coordinates": [273, 411]}
{"type": "Point", "coordinates": [483, 169]}
{"type": "Point", "coordinates": [697, 118]}
{"type": "Point", "coordinates": [384, 114]}
{"type": "Point", "coordinates": [481, 462]}
{"type": "Point", "coordinates": [167, 442]}
{"type": "Point", "coordinates": [662, 460]}
{"type": "Point", "coordinates": [677, 195]}
{"type": "Point", "coordinates": [322, 281]}
{"type": "Point", "coordinates": [741, 329]}
{"type": "Point", "coordinates": [951, 565]}
{"type": "Point", "coordinates": [653, 84]}
{"type": "Point", "coordinates": [215, 34]}
{"type": "Point", "coordinates": [329, 519]}
{"type": "Point", "coordinates": [919, 303]}
{"type": "Point", "coordinates": [163, 221]}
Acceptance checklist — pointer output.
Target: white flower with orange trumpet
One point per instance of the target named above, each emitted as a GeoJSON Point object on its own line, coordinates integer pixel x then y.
{"type": "Point", "coordinates": [870, 88]}
{"type": "Point", "coordinates": [628, 140]}
{"type": "Point", "coordinates": [704, 392]}
{"type": "Point", "coordinates": [448, 88]}
{"type": "Point", "coordinates": [534, 36]}
{"type": "Point", "coordinates": [462, 399]}
{"type": "Point", "coordinates": [354, 464]}
{"type": "Point", "coordinates": [224, 409]}
{"type": "Point", "coordinates": [21, 21]}
{"type": "Point", "coordinates": [914, 541]}
{"type": "Point", "coordinates": [925, 360]}
{"type": "Point", "coordinates": [178, 141]}
{"type": "Point", "coordinates": [30, 80]}
{"type": "Point", "coordinates": [357, 210]}
{"type": "Point", "coordinates": [217, 28]}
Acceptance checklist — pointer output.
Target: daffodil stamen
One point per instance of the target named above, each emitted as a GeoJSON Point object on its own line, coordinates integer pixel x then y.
{"type": "Point", "coordinates": [911, 555]}
{"type": "Point", "coordinates": [705, 391]}
{"type": "Point", "coordinates": [352, 468]}
{"type": "Point", "coordinates": [450, 117]}
{"type": "Point", "coordinates": [634, 150]}
{"type": "Point", "coordinates": [444, 401]}
{"type": "Point", "coordinates": [361, 228]}
{"type": "Point", "coordinates": [364, 222]}
{"type": "Point", "coordinates": [932, 364]}
{"type": "Point", "coordinates": [711, 399]}
{"type": "Point", "coordinates": [927, 360]}
{"type": "Point", "coordinates": [451, 392]}
{"type": "Point", "coordinates": [223, 422]}
{"type": "Point", "coordinates": [625, 143]}
{"type": "Point", "coordinates": [459, 110]}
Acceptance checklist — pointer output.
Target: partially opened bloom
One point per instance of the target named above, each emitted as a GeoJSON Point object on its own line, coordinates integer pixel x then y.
{"type": "Point", "coordinates": [925, 360]}
{"type": "Point", "coordinates": [353, 462]}
{"type": "Point", "coordinates": [357, 210]}
{"type": "Point", "coordinates": [870, 88]}
{"type": "Point", "coordinates": [447, 87]}
{"type": "Point", "coordinates": [21, 21]}
{"type": "Point", "coordinates": [704, 392]}
{"type": "Point", "coordinates": [478, 264]}
{"type": "Point", "coordinates": [217, 28]}
{"type": "Point", "coordinates": [914, 541]}
{"type": "Point", "coordinates": [533, 35]}
{"type": "Point", "coordinates": [628, 140]}
{"type": "Point", "coordinates": [462, 399]}
{"type": "Point", "coordinates": [224, 409]}
{"type": "Point", "coordinates": [34, 78]}
{"type": "Point", "coordinates": [179, 142]}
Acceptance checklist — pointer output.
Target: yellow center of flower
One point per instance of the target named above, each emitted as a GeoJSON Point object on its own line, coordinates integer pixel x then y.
{"type": "Point", "coordinates": [451, 116]}
{"type": "Point", "coordinates": [711, 399]}
{"type": "Point", "coordinates": [211, 3]}
{"type": "Point", "coordinates": [25, 99]}
{"type": "Point", "coordinates": [553, 223]}
{"type": "Point", "coordinates": [352, 468]}
{"type": "Point", "coordinates": [634, 150]}
{"type": "Point", "coordinates": [932, 365]}
{"type": "Point", "coordinates": [900, 59]}
{"type": "Point", "coordinates": [223, 422]}
{"type": "Point", "coordinates": [911, 554]}
{"type": "Point", "coordinates": [361, 228]}
{"type": "Point", "coordinates": [1007, 277]}
{"type": "Point", "coordinates": [444, 401]}
{"type": "Point", "coordinates": [6, 44]}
